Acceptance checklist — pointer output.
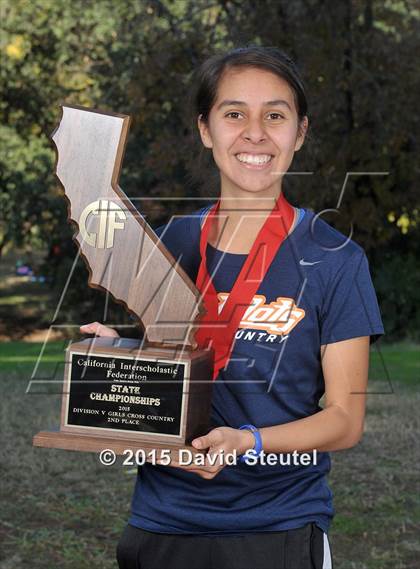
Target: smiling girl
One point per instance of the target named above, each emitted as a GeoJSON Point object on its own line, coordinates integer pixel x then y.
{"type": "Point", "coordinates": [299, 312]}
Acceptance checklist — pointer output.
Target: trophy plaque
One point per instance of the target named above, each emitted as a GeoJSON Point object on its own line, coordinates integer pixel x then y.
{"type": "Point", "coordinates": [120, 393]}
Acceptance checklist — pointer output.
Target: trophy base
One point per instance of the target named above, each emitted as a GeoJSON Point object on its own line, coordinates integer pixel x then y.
{"type": "Point", "coordinates": [121, 395]}
{"type": "Point", "coordinates": [88, 443]}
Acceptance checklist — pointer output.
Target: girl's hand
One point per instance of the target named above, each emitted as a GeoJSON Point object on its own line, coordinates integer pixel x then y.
{"type": "Point", "coordinates": [221, 440]}
{"type": "Point", "coordinates": [99, 330]}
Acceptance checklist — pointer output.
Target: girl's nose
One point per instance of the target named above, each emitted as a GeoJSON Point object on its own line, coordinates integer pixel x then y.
{"type": "Point", "coordinates": [254, 132]}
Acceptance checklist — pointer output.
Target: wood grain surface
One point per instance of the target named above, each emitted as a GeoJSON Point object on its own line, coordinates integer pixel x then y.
{"type": "Point", "coordinates": [123, 254]}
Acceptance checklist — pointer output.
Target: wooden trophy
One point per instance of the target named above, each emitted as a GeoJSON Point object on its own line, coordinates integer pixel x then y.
{"type": "Point", "coordinates": [120, 393]}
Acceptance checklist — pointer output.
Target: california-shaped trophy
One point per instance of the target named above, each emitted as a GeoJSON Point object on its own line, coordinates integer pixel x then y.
{"type": "Point", "coordinates": [120, 393]}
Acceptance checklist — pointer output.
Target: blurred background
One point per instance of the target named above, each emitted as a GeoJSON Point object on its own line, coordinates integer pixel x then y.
{"type": "Point", "coordinates": [359, 59]}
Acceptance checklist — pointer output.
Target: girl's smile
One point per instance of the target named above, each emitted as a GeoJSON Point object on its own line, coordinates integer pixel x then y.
{"type": "Point", "coordinates": [254, 161]}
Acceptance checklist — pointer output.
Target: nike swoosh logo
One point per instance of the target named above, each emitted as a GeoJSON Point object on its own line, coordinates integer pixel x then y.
{"type": "Point", "coordinates": [302, 262]}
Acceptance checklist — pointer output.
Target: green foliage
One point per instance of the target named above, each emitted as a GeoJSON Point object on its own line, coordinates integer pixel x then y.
{"type": "Point", "coordinates": [25, 193]}
{"type": "Point", "coordinates": [397, 285]}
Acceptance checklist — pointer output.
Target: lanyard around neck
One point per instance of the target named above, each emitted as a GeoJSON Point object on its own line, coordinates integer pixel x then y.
{"type": "Point", "coordinates": [216, 329]}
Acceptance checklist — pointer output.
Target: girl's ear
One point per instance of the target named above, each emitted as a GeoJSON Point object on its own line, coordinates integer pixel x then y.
{"type": "Point", "coordinates": [204, 132]}
{"type": "Point", "coordinates": [302, 130]}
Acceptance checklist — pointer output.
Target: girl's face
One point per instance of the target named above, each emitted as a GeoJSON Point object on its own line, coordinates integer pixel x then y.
{"type": "Point", "coordinates": [253, 131]}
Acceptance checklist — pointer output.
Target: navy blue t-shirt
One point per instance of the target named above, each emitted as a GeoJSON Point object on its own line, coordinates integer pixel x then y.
{"type": "Point", "coordinates": [318, 290]}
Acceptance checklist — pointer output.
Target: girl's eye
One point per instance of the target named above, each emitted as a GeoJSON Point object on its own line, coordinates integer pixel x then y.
{"type": "Point", "coordinates": [232, 113]}
{"type": "Point", "coordinates": [277, 116]}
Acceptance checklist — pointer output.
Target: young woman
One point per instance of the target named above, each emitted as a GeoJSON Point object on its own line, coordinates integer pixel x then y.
{"type": "Point", "coordinates": [302, 327]}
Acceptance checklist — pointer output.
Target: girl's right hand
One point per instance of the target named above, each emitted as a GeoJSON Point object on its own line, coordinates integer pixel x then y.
{"type": "Point", "coordinates": [99, 330]}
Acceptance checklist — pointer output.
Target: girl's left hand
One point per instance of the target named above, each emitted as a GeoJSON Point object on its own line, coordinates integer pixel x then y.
{"type": "Point", "coordinates": [219, 441]}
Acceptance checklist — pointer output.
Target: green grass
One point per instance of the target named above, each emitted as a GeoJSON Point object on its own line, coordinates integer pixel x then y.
{"type": "Point", "coordinates": [16, 299]}
{"type": "Point", "coordinates": [44, 365]}
{"type": "Point", "coordinates": [349, 524]}
{"type": "Point", "coordinates": [400, 361]}
{"type": "Point", "coordinates": [28, 349]}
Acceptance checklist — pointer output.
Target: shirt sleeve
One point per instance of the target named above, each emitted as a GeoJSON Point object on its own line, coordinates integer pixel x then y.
{"type": "Point", "coordinates": [350, 308]}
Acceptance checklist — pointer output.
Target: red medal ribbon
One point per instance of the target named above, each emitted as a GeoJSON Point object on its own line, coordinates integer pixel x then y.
{"type": "Point", "coordinates": [218, 330]}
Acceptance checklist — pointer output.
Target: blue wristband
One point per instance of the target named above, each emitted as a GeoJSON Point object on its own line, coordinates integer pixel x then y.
{"type": "Point", "coordinates": [258, 442]}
